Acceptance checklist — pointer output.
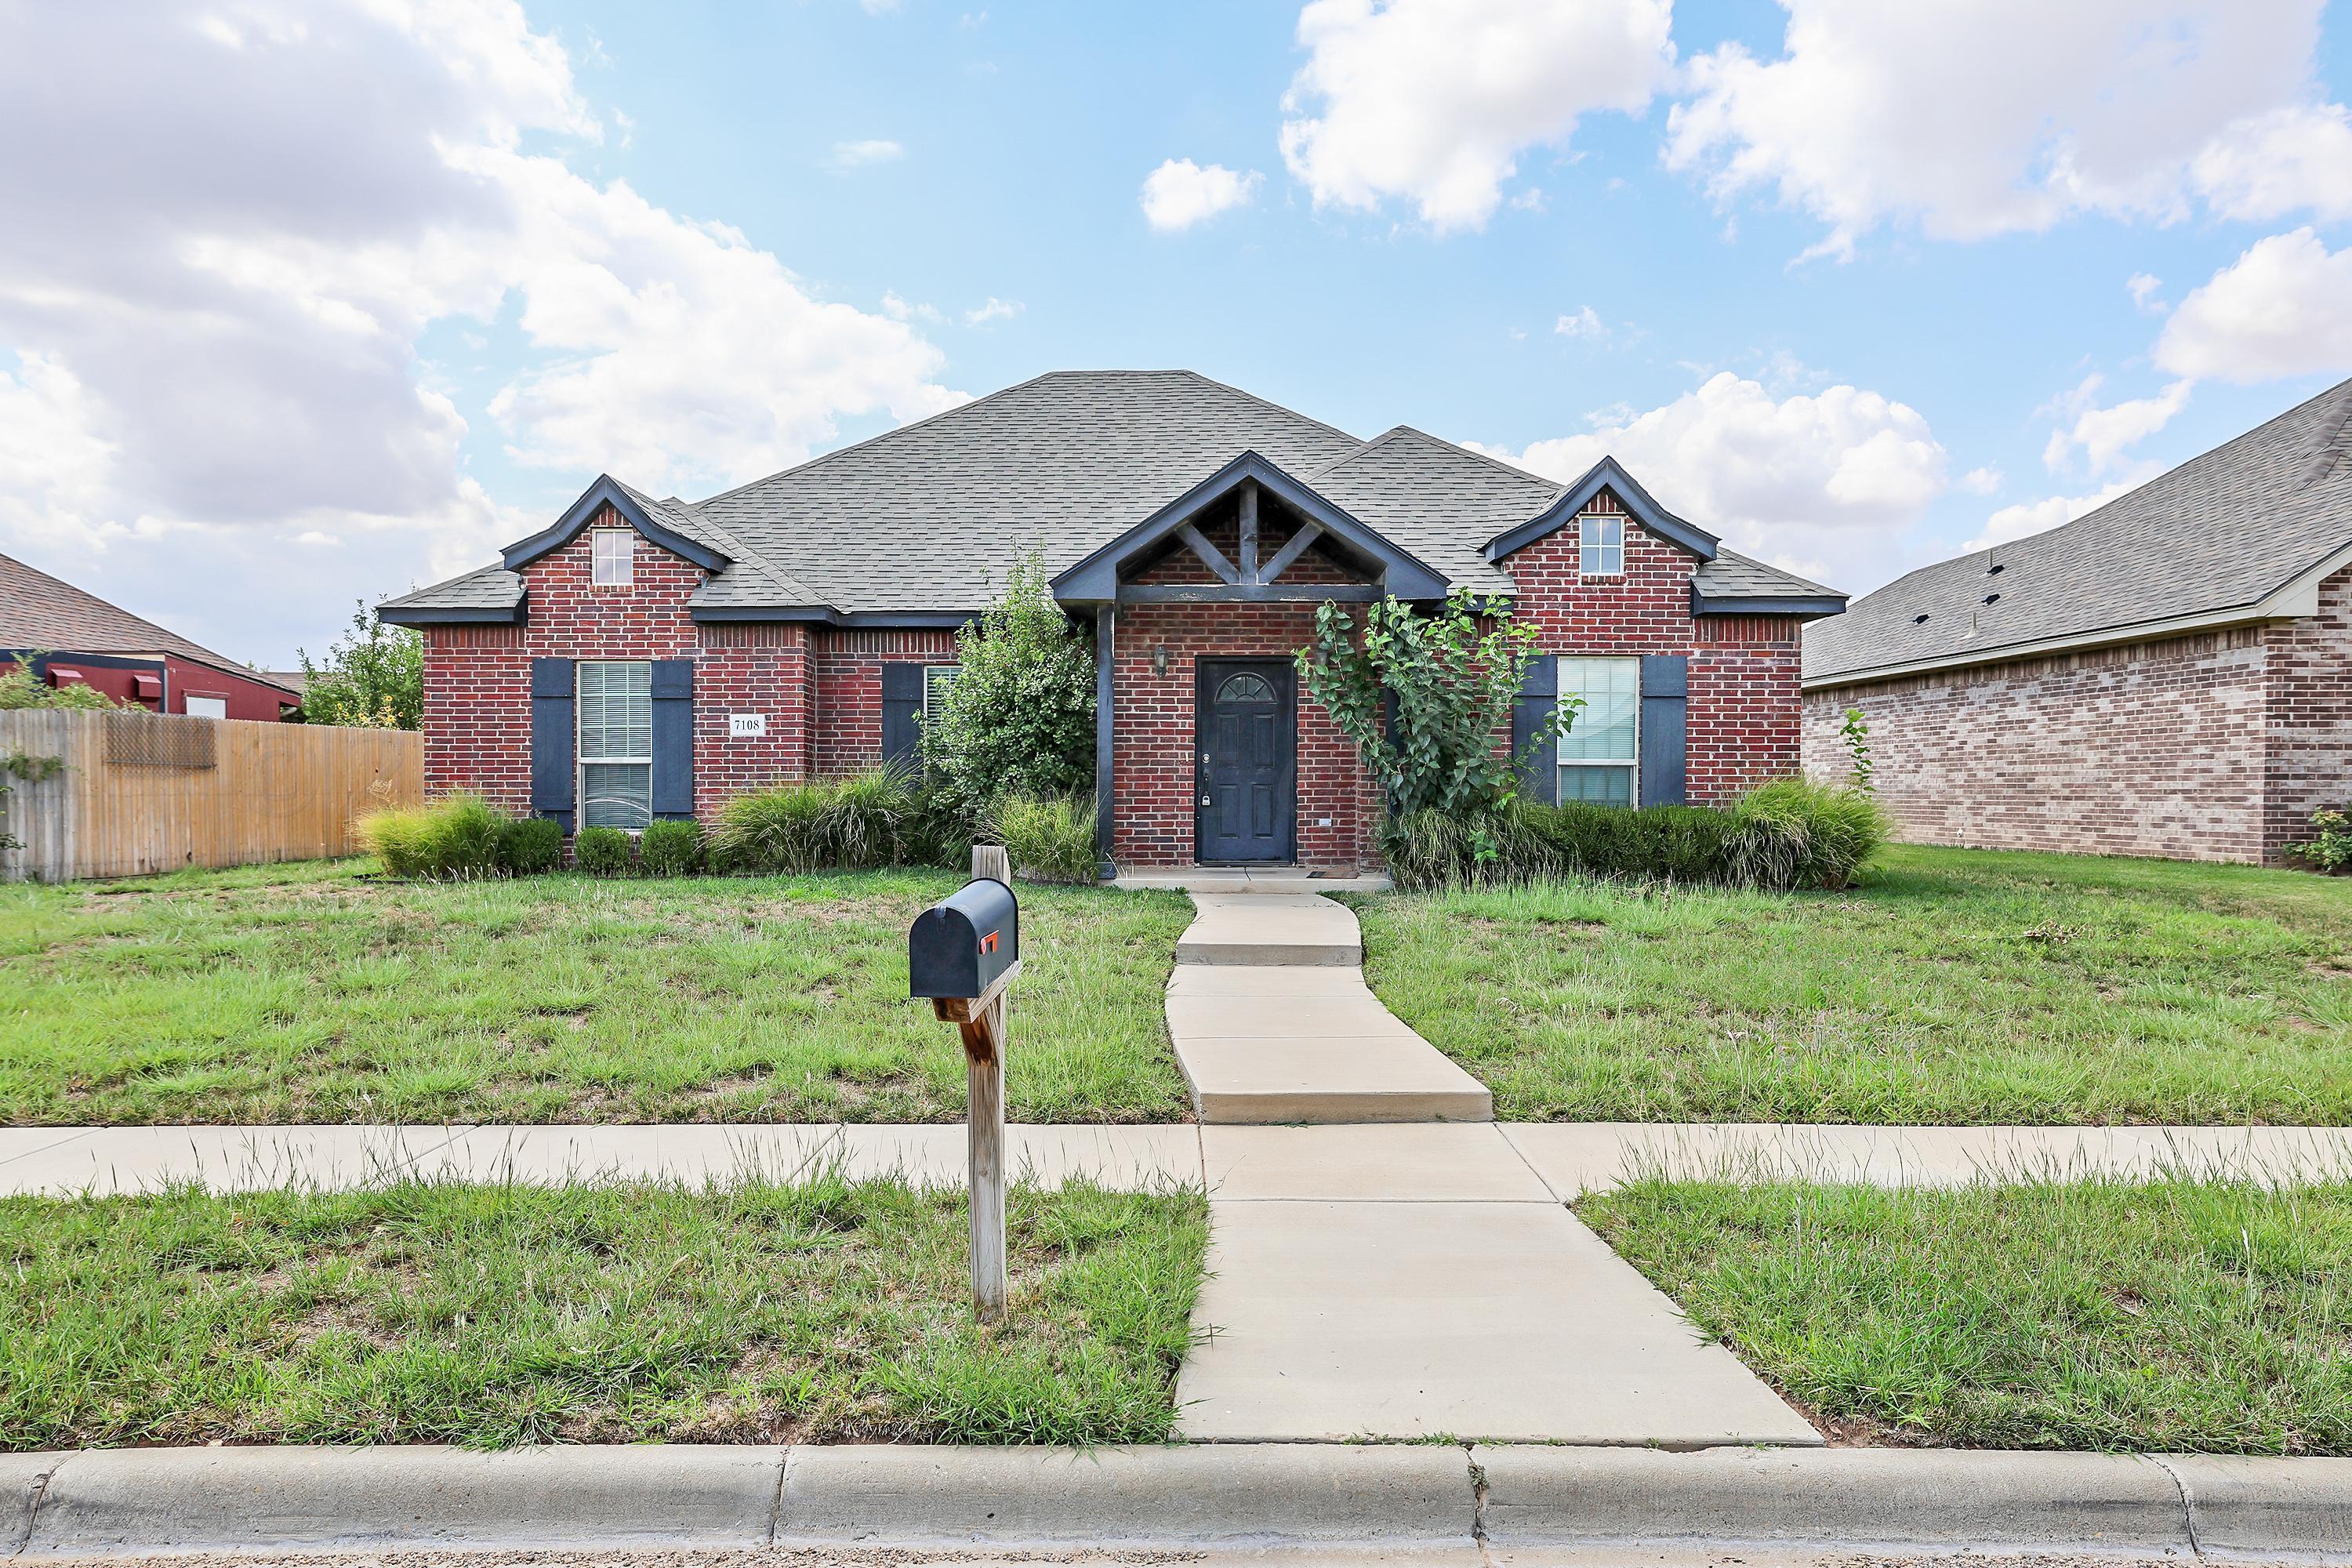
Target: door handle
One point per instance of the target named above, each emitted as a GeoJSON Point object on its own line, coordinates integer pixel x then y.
{"type": "Point", "coordinates": [1206, 801]}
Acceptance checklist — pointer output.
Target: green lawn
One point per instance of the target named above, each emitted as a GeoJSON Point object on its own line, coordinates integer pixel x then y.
{"type": "Point", "coordinates": [2095, 1315]}
{"type": "Point", "coordinates": [309, 993]}
{"type": "Point", "coordinates": [1953, 987]}
{"type": "Point", "coordinates": [490, 1316]}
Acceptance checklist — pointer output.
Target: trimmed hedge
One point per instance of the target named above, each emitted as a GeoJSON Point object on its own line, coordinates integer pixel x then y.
{"type": "Point", "coordinates": [1781, 835]}
{"type": "Point", "coordinates": [602, 851]}
{"type": "Point", "coordinates": [530, 846]}
{"type": "Point", "coordinates": [670, 849]}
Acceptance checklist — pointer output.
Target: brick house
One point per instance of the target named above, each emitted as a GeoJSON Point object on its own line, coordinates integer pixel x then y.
{"type": "Point", "coordinates": [2170, 675]}
{"type": "Point", "coordinates": [644, 659]}
{"type": "Point", "coordinates": [67, 637]}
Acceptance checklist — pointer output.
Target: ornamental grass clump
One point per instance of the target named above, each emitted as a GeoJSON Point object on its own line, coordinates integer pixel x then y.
{"type": "Point", "coordinates": [454, 838]}
{"type": "Point", "coordinates": [1049, 839]}
{"type": "Point", "coordinates": [881, 818]}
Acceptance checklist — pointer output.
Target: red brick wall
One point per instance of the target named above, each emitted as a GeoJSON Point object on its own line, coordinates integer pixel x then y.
{"type": "Point", "coordinates": [848, 677]}
{"type": "Point", "coordinates": [477, 678]}
{"type": "Point", "coordinates": [2151, 747]}
{"type": "Point", "coordinates": [2309, 718]}
{"type": "Point", "coordinates": [1742, 717]}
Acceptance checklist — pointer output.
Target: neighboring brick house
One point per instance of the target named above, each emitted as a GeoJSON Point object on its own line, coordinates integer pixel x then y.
{"type": "Point", "coordinates": [647, 658]}
{"type": "Point", "coordinates": [2170, 675]}
{"type": "Point", "coordinates": [70, 637]}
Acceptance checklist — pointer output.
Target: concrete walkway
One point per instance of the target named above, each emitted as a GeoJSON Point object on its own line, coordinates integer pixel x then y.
{"type": "Point", "coordinates": [1494, 1162]}
{"type": "Point", "coordinates": [1272, 1022]}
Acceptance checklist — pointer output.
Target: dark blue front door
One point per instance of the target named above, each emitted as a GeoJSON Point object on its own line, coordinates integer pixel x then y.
{"type": "Point", "coordinates": [1246, 725]}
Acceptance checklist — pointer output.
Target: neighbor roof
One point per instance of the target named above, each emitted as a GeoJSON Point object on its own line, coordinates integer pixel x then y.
{"type": "Point", "coordinates": [2214, 539]}
{"type": "Point", "coordinates": [42, 614]}
{"type": "Point", "coordinates": [928, 519]}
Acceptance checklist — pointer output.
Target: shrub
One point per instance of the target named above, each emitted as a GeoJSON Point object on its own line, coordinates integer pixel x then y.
{"type": "Point", "coordinates": [372, 676]}
{"type": "Point", "coordinates": [878, 818]}
{"type": "Point", "coordinates": [670, 848]}
{"type": "Point", "coordinates": [455, 837]}
{"type": "Point", "coordinates": [531, 846]}
{"type": "Point", "coordinates": [1785, 835]}
{"type": "Point", "coordinates": [20, 689]}
{"type": "Point", "coordinates": [1049, 839]}
{"type": "Point", "coordinates": [1424, 695]}
{"type": "Point", "coordinates": [602, 851]}
{"type": "Point", "coordinates": [2331, 851]}
{"type": "Point", "coordinates": [1793, 833]}
{"type": "Point", "coordinates": [1019, 717]}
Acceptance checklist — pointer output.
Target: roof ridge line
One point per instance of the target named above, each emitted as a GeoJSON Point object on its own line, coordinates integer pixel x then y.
{"type": "Point", "coordinates": [1266, 403]}
{"type": "Point", "coordinates": [1493, 462]}
{"type": "Point", "coordinates": [878, 436]}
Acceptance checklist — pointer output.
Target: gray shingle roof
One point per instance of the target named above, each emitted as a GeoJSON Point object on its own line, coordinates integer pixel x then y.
{"type": "Point", "coordinates": [1731, 575]}
{"type": "Point", "coordinates": [2220, 532]}
{"type": "Point", "coordinates": [931, 517]}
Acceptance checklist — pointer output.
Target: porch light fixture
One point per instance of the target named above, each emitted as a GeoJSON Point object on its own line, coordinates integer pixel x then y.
{"type": "Point", "coordinates": [1159, 658]}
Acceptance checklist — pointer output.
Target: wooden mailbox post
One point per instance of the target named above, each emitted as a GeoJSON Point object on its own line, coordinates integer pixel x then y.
{"type": "Point", "coordinates": [963, 953]}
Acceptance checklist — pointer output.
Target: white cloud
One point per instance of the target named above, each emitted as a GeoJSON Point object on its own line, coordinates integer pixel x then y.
{"type": "Point", "coordinates": [2283, 308]}
{"type": "Point", "coordinates": [1435, 101]}
{"type": "Point", "coordinates": [1180, 193]}
{"type": "Point", "coordinates": [1825, 483]}
{"type": "Point", "coordinates": [2103, 435]}
{"type": "Point", "coordinates": [993, 310]}
{"type": "Point", "coordinates": [2142, 288]}
{"type": "Point", "coordinates": [1584, 324]}
{"type": "Point", "coordinates": [220, 269]}
{"type": "Point", "coordinates": [2009, 115]}
{"type": "Point", "coordinates": [1981, 482]}
{"type": "Point", "coordinates": [847, 155]}
{"type": "Point", "coordinates": [899, 308]}
{"type": "Point", "coordinates": [2283, 162]}
{"type": "Point", "coordinates": [2013, 522]}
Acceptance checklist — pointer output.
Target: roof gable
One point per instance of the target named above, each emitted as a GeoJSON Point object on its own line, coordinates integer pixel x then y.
{"type": "Point", "coordinates": [1610, 475]}
{"type": "Point", "coordinates": [1095, 578]}
{"type": "Point", "coordinates": [651, 518]}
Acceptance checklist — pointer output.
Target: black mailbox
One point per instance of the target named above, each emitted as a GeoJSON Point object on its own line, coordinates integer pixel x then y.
{"type": "Point", "coordinates": [963, 944]}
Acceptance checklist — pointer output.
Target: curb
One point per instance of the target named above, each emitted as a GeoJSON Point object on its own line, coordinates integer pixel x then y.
{"type": "Point", "coordinates": [1384, 1497]}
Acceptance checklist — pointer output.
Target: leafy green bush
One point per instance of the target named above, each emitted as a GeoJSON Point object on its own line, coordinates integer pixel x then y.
{"type": "Point", "coordinates": [670, 848]}
{"type": "Point", "coordinates": [1784, 835]}
{"type": "Point", "coordinates": [372, 676]}
{"type": "Point", "coordinates": [1019, 718]}
{"type": "Point", "coordinates": [453, 839]}
{"type": "Point", "coordinates": [1050, 838]}
{"type": "Point", "coordinates": [530, 846]}
{"type": "Point", "coordinates": [20, 689]}
{"type": "Point", "coordinates": [1424, 695]}
{"type": "Point", "coordinates": [869, 819]}
{"type": "Point", "coordinates": [2331, 851]}
{"type": "Point", "coordinates": [602, 851]}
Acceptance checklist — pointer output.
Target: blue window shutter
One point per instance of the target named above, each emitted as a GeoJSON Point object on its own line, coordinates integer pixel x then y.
{"type": "Point", "coordinates": [1530, 711]}
{"type": "Point", "coordinates": [552, 740]}
{"type": "Point", "coordinates": [1665, 703]}
{"type": "Point", "coordinates": [902, 714]}
{"type": "Point", "coordinates": [673, 709]}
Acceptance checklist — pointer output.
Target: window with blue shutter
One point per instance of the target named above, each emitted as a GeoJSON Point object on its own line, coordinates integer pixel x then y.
{"type": "Point", "coordinates": [1665, 703]}
{"type": "Point", "coordinates": [902, 715]}
{"type": "Point", "coordinates": [1531, 713]}
{"type": "Point", "coordinates": [672, 689]}
{"type": "Point", "coordinates": [552, 738]}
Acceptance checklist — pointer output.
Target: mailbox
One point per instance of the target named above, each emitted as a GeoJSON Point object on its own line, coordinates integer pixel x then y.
{"type": "Point", "coordinates": [962, 945]}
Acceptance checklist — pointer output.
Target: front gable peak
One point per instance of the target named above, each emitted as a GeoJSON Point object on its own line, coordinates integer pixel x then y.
{"type": "Point", "coordinates": [647, 516]}
{"type": "Point", "coordinates": [1610, 475]}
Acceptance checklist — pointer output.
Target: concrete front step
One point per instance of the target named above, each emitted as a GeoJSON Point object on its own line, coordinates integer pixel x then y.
{"type": "Point", "coordinates": [1270, 929]}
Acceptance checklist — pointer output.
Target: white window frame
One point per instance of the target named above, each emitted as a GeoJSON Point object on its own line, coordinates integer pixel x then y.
{"type": "Point", "coordinates": [1632, 762]}
{"type": "Point", "coordinates": [934, 689]}
{"type": "Point", "coordinates": [188, 705]}
{"type": "Point", "coordinates": [580, 760]}
{"type": "Point", "coordinates": [1586, 551]}
{"type": "Point", "coordinates": [609, 568]}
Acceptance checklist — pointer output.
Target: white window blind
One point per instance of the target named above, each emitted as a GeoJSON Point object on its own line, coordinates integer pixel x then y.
{"type": "Point", "coordinates": [1599, 757]}
{"type": "Point", "coordinates": [617, 745]}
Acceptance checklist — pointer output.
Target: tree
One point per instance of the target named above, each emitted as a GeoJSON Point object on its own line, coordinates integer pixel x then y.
{"type": "Point", "coordinates": [372, 677]}
{"type": "Point", "coordinates": [1019, 717]}
{"type": "Point", "coordinates": [1427, 697]}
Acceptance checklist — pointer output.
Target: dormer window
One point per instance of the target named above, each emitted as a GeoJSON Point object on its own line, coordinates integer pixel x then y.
{"type": "Point", "coordinates": [613, 557]}
{"type": "Point", "coordinates": [1600, 546]}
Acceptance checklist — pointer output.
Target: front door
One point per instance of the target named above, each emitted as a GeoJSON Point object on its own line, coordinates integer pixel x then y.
{"type": "Point", "coordinates": [1246, 722]}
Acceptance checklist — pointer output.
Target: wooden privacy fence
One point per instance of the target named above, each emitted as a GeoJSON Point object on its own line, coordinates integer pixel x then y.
{"type": "Point", "coordinates": [133, 793]}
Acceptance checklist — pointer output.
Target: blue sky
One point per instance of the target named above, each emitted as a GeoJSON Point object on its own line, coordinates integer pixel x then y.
{"type": "Point", "coordinates": [329, 298]}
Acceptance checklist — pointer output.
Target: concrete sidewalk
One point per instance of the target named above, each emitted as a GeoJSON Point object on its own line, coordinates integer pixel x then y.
{"type": "Point", "coordinates": [1434, 1503]}
{"type": "Point", "coordinates": [1453, 1163]}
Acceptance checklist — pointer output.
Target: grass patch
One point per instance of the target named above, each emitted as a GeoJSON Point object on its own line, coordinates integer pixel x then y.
{"type": "Point", "coordinates": [308, 992]}
{"type": "Point", "coordinates": [2175, 1316]}
{"type": "Point", "coordinates": [492, 1316]}
{"type": "Point", "coordinates": [1953, 986]}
